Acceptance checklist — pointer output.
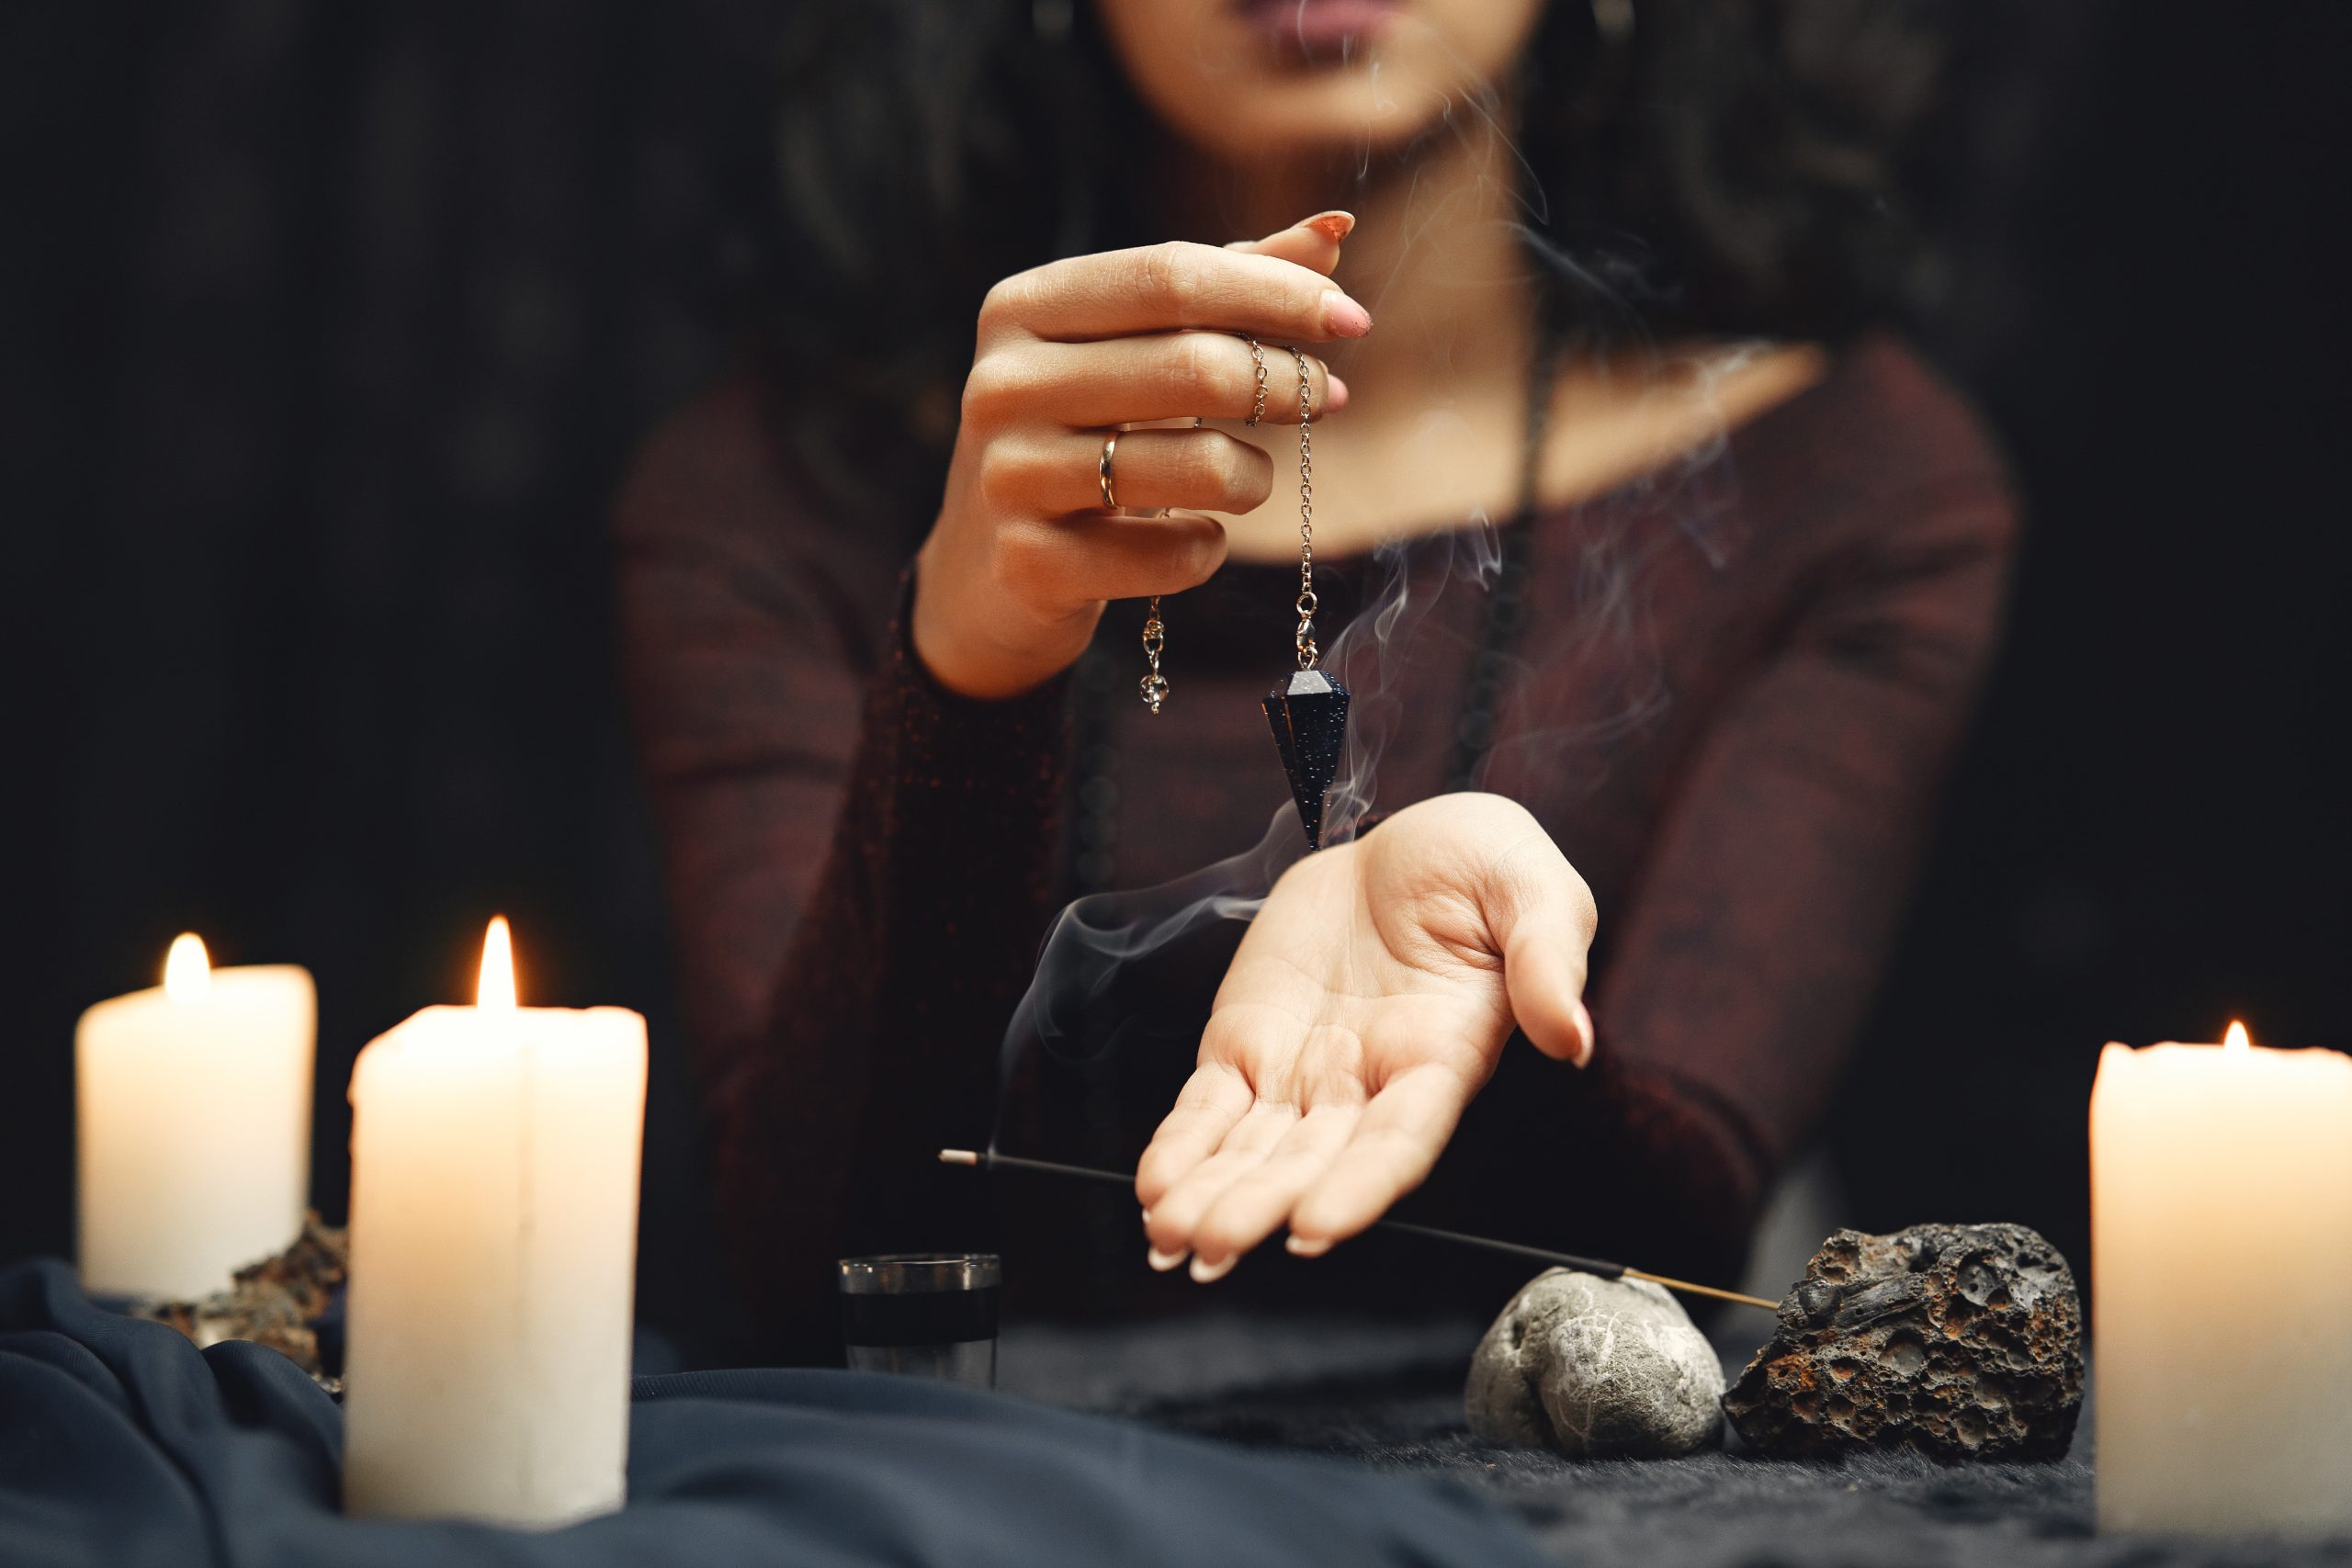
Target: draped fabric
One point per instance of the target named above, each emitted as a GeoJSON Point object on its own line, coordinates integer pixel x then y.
{"type": "Point", "coordinates": [122, 1444]}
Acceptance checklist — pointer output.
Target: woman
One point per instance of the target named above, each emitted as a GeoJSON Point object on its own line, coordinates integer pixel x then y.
{"type": "Point", "coordinates": [1610, 273]}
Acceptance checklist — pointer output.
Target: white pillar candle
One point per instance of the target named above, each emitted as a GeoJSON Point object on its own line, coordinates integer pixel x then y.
{"type": "Point", "coordinates": [2222, 1287]}
{"type": "Point", "coordinates": [192, 1116]}
{"type": "Point", "coordinates": [493, 1246]}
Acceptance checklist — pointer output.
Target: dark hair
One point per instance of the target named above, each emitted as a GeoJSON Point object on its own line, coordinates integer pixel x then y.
{"type": "Point", "coordinates": [1719, 166]}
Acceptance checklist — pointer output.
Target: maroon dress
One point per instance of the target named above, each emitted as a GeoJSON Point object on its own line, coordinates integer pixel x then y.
{"type": "Point", "coordinates": [1733, 691]}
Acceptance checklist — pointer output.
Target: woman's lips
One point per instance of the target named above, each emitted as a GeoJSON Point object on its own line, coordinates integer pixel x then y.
{"type": "Point", "coordinates": [1316, 29]}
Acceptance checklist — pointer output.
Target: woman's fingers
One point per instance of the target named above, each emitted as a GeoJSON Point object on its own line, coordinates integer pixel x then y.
{"type": "Point", "coordinates": [1068, 562]}
{"type": "Point", "coordinates": [1127, 382]}
{"type": "Point", "coordinates": [1213, 1102]}
{"type": "Point", "coordinates": [1403, 1131]}
{"type": "Point", "coordinates": [1328, 1174]}
{"type": "Point", "coordinates": [1313, 242]}
{"type": "Point", "coordinates": [1253, 1207]}
{"type": "Point", "coordinates": [1202, 470]}
{"type": "Point", "coordinates": [1156, 287]}
{"type": "Point", "coordinates": [1540, 915]}
{"type": "Point", "coordinates": [1176, 1213]}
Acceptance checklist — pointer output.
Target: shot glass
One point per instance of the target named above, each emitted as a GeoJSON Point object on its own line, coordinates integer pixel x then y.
{"type": "Point", "coordinates": [922, 1314]}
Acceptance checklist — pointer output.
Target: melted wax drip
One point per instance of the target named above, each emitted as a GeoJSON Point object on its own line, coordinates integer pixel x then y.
{"type": "Point", "coordinates": [1309, 717]}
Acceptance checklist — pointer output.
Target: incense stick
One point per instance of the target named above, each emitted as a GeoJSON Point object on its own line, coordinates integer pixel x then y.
{"type": "Point", "coordinates": [989, 1160]}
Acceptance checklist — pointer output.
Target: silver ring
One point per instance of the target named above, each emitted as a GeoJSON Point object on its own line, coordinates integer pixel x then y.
{"type": "Point", "coordinates": [1102, 470]}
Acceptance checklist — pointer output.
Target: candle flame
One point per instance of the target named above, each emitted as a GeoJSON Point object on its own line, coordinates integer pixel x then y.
{"type": "Point", "coordinates": [2235, 1040]}
{"type": "Point", "coordinates": [188, 971]}
{"type": "Point", "coordinates": [497, 986]}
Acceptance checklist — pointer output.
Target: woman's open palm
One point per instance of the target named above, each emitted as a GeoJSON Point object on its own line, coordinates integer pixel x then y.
{"type": "Point", "coordinates": [1370, 1001]}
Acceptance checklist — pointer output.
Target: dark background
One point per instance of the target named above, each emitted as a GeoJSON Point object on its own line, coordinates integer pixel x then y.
{"type": "Point", "coordinates": [329, 329]}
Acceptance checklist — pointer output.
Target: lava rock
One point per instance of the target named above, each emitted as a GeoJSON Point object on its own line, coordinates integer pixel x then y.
{"type": "Point", "coordinates": [1597, 1369]}
{"type": "Point", "coordinates": [276, 1301]}
{"type": "Point", "coordinates": [1960, 1342]}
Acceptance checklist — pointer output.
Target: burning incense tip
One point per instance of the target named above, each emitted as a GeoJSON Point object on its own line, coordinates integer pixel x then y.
{"type": "Point", "coordinates": [958, 1156]}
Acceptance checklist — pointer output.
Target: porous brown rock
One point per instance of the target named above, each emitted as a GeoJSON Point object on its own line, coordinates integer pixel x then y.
{"type": "Point", "coordinates": [1595, 1368]}
{"type": "Point", "coordinates": [276, 1301]}
{"type": "Point", "coordinates": [1960, 1342]}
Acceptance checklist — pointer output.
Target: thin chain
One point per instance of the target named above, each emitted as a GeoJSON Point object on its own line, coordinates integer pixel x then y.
{"type": "Point", "coordinates": [1308, 654]}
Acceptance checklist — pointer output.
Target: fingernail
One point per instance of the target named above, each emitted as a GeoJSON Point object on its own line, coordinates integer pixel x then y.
{"type": "Point", "coordinates": [1338, 225]}
{"type": "Point", "coordinates": [1163, 1261]}
{"type": "Point", "coordinates": [1207, 1273]}
{"type": "Point", "coordinates": [1146, 1216]}
{"type": "Point", "coordinates": [1342, 316]}
{"type": "Point", "coordinates": [1584, 1027]}
{"type": "Point", "coordinates": [1300, 1246]}
{"type": "Point", "coordinates": [1337, 398]}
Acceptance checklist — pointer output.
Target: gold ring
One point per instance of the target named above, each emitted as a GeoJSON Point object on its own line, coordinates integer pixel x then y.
{"type": "Point", "coordinates": [1102, 470]}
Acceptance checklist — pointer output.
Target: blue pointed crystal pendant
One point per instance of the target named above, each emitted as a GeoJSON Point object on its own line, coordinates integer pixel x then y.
{"type": "Point", "coordinates": [1309, 710]}
{"type": "Point", "coordinates": [1309, 716]}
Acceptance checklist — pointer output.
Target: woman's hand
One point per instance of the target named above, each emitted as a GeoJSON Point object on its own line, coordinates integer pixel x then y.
{"type": "Point", "coordinates": [1367, 1004]}
{"type": "Point", "coordinates": [1017, 568]}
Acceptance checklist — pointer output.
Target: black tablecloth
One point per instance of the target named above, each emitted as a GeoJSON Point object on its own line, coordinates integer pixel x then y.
{"type": "Point", "coordinates": [121, 1445]}
{"type": "Point", "coordinates": [1387, 1394]}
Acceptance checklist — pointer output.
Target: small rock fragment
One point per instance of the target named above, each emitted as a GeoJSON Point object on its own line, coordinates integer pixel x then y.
{"type": "Point", "coordinates": [276, 1301]}
{"type": "Point", "coordinates": [1961, 1342]}
{"type": "Point", "coordinates": [1597, 1369]}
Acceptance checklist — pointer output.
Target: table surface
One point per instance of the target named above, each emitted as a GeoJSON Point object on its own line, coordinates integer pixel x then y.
{"type": "Point", "coordinates": [1390, 1396]}
{"type": "Point", "coordinates": [122, 1444]}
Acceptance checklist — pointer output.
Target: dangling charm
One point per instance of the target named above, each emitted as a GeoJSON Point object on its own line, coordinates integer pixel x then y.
{"type": "Point", "coordinates": [1309, 711]}
{"type": "Point", "coordinates": [1154, 685]}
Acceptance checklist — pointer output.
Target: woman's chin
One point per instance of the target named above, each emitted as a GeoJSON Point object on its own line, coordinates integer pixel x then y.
{"type": "Point", "coordinates": [1299, 118]}
{"type": "Point", "coordinates": [1284, 79]}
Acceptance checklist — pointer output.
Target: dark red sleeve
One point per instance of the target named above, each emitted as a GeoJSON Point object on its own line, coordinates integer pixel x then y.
{"type": "Point", "coordinates": [859, 861]}
{"type": "Point", "coordinates": [1741, 965]}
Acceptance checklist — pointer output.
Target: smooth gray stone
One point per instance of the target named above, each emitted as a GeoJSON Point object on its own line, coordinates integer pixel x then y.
{"type": "Point", "coordinates": [1595, 1369]}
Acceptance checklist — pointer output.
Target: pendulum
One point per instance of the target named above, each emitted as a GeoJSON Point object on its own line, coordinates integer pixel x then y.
{"type": "Point", "coordinates": [1309, 710]}
{"type": "Point", "coordinates": [1308, 713]}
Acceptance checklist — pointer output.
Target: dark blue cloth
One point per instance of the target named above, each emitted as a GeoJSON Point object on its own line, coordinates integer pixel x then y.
{"type": "Point", "coordinates": [122, 1444]}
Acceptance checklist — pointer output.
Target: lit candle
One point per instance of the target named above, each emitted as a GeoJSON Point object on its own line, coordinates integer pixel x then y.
{"type": "Point", "coordinates": [192, 1114]}
{"type": "Point", "coordinates": [493, 1242]}
{"type": "Point", "coordinates": [2222, 1287]}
